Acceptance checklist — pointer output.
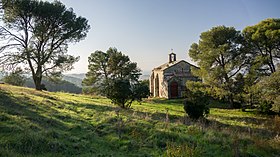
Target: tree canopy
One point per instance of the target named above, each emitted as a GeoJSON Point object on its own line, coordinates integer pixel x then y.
{"type": "Point", "coordinates": [113, 75]}
{"type": "Point", "coordinates": [241, 68]}
{"type": "Point", "coordinates": [220, 57]}
{"type": "Point", "coordinates": [109, 65]}
{"type": "Point", "coordinates": [37, 34]}
{"type": "Point", "coordinates": [262, 43]}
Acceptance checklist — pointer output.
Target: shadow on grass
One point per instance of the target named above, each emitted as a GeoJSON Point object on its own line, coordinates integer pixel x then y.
{"type": "Point", "coordinates": [26, 110]}
{"type": "Point", "coordinates": [31, 129]}
{"type": "Point", "coordinates": [252, 122]}
{"type": "Point", "coordinates": [165, 101]}
{"type": "Point", "coordinates": [247, 130]}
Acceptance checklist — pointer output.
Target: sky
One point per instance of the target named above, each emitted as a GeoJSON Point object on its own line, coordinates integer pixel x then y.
{"type": "Point", "coordinates": [147, 30]}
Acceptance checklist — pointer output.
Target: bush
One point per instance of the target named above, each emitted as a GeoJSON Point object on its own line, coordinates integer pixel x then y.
{"type": "Point", "coordinates": [268, 89]}
{"type": "Point", "coordinates": [195, 110]}
{"type": "Point", "coordinates": [122, 92]}
{"type": "Point", "coordinates": [140, 90]}
{"type": "Point", "coordinates": [196, 105]}
{"type": "Point", "coordinates": [15, 78]}
{"type": "Point", "coordinates": [265, 106]}
{"type": "Point", "coordinates": [89, 90]}
{"type": "Point", "coordinates": [197, 99]}
{"type": "Point", "coordinates": [119, 91]}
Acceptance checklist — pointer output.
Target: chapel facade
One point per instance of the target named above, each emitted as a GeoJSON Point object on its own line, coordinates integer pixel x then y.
{"type": "Point", "coordinates": [169, 80]}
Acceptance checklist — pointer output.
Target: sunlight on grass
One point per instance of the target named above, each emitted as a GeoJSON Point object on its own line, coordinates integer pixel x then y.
{"type": "Point", "coordinates": [34, 123]}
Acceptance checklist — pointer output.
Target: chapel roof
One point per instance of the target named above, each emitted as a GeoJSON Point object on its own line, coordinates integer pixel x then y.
{"type": "Point", "coordinates": [170, 64]}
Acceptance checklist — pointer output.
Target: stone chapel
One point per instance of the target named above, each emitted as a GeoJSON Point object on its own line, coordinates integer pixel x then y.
{"type": "Point", "coordinates": [169, 80]}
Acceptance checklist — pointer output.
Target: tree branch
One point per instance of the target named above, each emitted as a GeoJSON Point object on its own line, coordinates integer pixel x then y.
{"type": "Point", "coordinates": [11, 34]}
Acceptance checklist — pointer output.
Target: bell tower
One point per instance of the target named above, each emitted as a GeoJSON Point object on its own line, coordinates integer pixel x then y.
{"type": "Point", "coordinates": [172, 56]}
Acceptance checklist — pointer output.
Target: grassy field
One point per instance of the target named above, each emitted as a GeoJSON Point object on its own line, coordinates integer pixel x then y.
{"type": "Point", "coordinates": [34, 123]}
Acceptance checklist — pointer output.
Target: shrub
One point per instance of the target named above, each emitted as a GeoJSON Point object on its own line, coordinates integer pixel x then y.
{"type": "Point", "coordinates": [197, 99]}
{"type": "Point", "coordinates": [89, 90]}
{"type": "Point", "coordinates": [268, 89]}
{"type": "Point", "coordinates": [195, 110]}
{"type": "Point", "coordinates": [265, 106]}
{"type": "Point", "coordinates": [15, 78]}
{"type": "Point", "coordinates": [140, 91]}
{"type": "Point", "coordinates": [123, 93]}
{"type": "Point", "coordinates": [196, 105]}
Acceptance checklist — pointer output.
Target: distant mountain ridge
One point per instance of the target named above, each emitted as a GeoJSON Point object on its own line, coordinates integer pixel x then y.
{"type": "Point", "coordinates": [74, 78]}
{"type": "Point", "coordinates": [78, 78]}
{"type": "Point", "coordinates": [144, 77]}
{"type": "Point", "coordinates": [61, 86]}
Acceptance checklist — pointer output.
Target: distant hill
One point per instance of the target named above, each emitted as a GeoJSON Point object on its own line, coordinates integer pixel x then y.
{"type": "Point", "coordinates": [80, 76]}
{"type": "Point", "coordinates": [61, 86]}
{"type": "Point", "coordinates": [75, 80]}
{"type": "Point", "coordinates": [1, 75]}
{"type": "Point", "coordinates": [144, 77]}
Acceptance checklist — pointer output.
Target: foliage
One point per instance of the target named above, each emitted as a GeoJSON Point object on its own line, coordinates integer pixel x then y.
{"type": "Point", "coordinates": [238, 90]}
{"type": "Point", "coordinates": [196, 108]}
{"type": "Point", "coordinates": [140, 90]}
{"type": "Point", "coordinates": [42, 123]}
{"type": "Point", "coordinates": [122, 93]}
{"type": "Point", "coordinates": [89, 90]}
{"type": "Point", "coordinates": [265, 106]}
{"type": "Point", "coordinates": [262, 94]}
{"type": "Point", "coordinates": [119, 91]}
{"type": "Point", "coordinates": [37, 34]}
{"type": "Point", "coordinates": [196, 103]}
{"type": "Point", "coordinates": [262, 45]}
{"type": "Point", "coordinates": [16, 77]}
{"type": "Point", "coordinates": [113, 75]}
{"type": "Point", "coordinates": [98, 69]}
{"type": "Point", "coordinates": [104, 67]}
{"type": "Point", "coordinates": [220, 57]}
{"type": "Point", "coordinates": [269, 88]}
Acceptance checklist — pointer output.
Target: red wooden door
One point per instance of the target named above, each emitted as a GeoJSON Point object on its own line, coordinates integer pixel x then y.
{"type": "Point", "coordinates": [174, 90]}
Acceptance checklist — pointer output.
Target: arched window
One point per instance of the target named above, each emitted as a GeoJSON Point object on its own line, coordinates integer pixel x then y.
{"type": "Point", "coordinates": [156, 86]}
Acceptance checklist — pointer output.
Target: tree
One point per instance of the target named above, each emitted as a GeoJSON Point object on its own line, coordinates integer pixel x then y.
{"type": "Point", "coordinates": [238, 90]}
{"type": "Point", "coordinates": [37, 34]}
{"type": "Point", "coordinates": [98, 73]}
{"type": "Point", "coordinates": [16, 78]}
{"type": "Point", "coordinates": [263, 46]}
{"type": "Point", "coordinates": [220, 57]}
{"type": "Point", "coordinates": [104, 67]}
{"type": "Point", "coordinates": [113, 75]}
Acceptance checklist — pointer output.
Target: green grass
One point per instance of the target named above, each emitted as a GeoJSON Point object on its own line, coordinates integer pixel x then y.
{"type": "Point", "coordinates": [34, 123]}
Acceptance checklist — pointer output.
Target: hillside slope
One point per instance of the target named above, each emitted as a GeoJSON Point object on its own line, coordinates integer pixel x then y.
{"type": "Point", "coordinates": [34, 123]}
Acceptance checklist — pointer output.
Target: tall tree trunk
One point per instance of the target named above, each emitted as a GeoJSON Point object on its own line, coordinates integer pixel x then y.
{"type": "Point", "coordinates": [37, 78]}
{"type": "Point", "coordinates": [37, 81]}
{"type": "Point", "coordinates": [231, 100]}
